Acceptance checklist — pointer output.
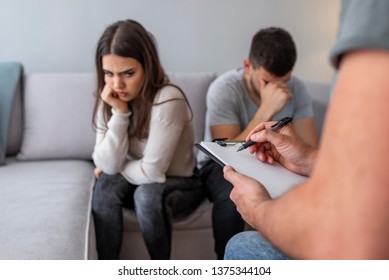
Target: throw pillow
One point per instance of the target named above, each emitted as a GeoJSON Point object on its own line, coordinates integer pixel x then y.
{"type": "Point", "coordinates": [2, 154]}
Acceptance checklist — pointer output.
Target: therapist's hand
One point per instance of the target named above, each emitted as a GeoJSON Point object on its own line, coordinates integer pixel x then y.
{"type": "Point", "coordinates": [247, 194]}
{"type": "Point", "coordinates": [283, 146]}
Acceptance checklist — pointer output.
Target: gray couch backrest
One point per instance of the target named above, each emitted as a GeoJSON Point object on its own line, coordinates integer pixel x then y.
{"type": "Point", "coordinates": [320, 93]}
{"type": "Point", "coordinates": [195, 87]}
{"type": "Point", "coordinates": [53, 119]}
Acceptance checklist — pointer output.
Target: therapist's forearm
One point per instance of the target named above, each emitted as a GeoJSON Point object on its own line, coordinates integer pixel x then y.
{"type": "Point", "coordinates": [341, 212]}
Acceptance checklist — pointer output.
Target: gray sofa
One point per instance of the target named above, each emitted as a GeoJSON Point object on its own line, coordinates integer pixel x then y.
{"type": "Point", "coordinates": [47, 181]}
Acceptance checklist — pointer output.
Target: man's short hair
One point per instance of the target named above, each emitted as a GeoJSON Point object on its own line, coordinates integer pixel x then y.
{"type": "Point", "coordinates": [273, 48]}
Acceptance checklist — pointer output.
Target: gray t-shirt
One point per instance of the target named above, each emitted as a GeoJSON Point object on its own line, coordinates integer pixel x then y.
{"type": "Point", "coordinates": [229, 102]}
{"type": "Point", "coordinates": [363, 24]}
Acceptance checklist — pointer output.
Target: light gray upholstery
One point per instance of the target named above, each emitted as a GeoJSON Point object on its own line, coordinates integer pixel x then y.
{"type": "Point", "coordinates": [58, 116]}
{"type": "Point", "coordinates": [320, 93]}
{"type": "Point", "coordinates": [195, 87]}
{"type": "Point", "coordinates": [192, 237]}
{"type": "Point", "coordinates": [45, 209]}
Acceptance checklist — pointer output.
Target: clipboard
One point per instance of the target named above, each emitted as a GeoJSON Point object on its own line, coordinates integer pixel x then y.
{"type": "Point", "coordinates": [276, 179]}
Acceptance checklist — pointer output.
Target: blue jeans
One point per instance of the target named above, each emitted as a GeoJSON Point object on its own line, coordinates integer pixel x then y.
{"type": "Point", "coordinates": [249, 245]}
{"type": "Point", "coordinates": [226, 220]}
{"type": "Point", "coordinates": [155, 205]}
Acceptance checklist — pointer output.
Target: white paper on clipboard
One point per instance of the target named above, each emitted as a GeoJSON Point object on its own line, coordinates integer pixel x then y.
{"type": "Point", "coordinates": [275, 178]}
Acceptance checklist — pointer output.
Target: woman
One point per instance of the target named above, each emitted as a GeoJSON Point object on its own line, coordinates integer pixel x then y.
{"type": "Point", "coordinates": [144, 144]}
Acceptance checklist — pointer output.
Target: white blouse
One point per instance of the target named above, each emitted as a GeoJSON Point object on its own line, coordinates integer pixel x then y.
{"type": "Point", "coordinates": [168, 150]}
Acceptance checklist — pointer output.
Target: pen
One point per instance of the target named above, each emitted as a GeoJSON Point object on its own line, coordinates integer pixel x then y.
{"type": "Point", "coordinates": [282, 122]}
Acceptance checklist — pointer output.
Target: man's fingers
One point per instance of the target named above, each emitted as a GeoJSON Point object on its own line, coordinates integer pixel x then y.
{"type": "Point", "coordinates": [262, 84]}
{"type": "Point", "coordinates": [267, 136]}
{"type": "Point", "coordinates": [229, 173]}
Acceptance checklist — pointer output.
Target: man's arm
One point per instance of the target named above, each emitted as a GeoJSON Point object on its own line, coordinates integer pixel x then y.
{"type": "Point", "coordinates": [342, 211]}
{"type": "Point", "coordinates": [274, 96]}
{"type": "Point", "coordinates": [234, 132]}
{"type": "Point", "coordinates": [306, 129]}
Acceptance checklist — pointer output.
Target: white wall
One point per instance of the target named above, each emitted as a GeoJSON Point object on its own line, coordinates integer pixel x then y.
{"type": "Point", "coordinates": [192, 35]}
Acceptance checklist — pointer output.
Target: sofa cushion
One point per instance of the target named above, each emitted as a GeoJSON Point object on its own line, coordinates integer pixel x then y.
{"type": "Point", "coordinates": [59, 107]}
{"type": "Point", "coordinates": [192, 236]}
{"type": "Point", "coordinates": [58, 116]}
{"type": "Point", "coordinates": [195, 86]}
{"type": "Point", "coordinates": [45, 209]}
{"type": "Point", "coordinates": [320, 93]}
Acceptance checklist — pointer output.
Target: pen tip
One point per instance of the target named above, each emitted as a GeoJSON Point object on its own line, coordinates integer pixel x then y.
{"type": "Point", "coordinates": [239, 149]}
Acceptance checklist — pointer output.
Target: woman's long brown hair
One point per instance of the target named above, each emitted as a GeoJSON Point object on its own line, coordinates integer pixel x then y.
{"type": "Point", "coordinates": [129, 39]}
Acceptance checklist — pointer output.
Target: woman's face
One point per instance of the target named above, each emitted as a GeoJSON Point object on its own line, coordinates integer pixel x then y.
{"type": "Point", "coordinates": [125, 76]}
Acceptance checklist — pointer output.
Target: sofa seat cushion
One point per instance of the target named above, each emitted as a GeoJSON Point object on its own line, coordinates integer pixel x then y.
{"type": "Point", "coordinates": [45, 209]}
{"type": "Point", "coordinates": [199, 219]}
{"type": "Point", "coordinates": [192, 238]}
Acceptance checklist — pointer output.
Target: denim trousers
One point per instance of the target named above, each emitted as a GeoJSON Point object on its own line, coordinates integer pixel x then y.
{"type": "Point", "coordinates": [226, 220]}
{"type": "Point", "coordinates": [250, 245]}
{"type": "Point", "coordinates": [156, 206]}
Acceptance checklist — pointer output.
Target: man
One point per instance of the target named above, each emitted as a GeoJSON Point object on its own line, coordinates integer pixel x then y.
{"type": "Point", "coordinates": [263, 90]}
{"type": "Point", "coordinates": [342, 211]}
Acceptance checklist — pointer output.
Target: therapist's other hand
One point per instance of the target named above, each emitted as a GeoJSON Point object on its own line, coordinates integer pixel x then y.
{"type": "Point", "coordinates": [283, 146]}
{"type": "Point", "coordinates": [247, 194]}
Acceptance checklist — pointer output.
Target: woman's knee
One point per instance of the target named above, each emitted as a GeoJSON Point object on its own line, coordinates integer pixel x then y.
{"type": "Point", "coordinates": [148, 196]}
{"type": "Point", "coordinates": [108, 189]}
